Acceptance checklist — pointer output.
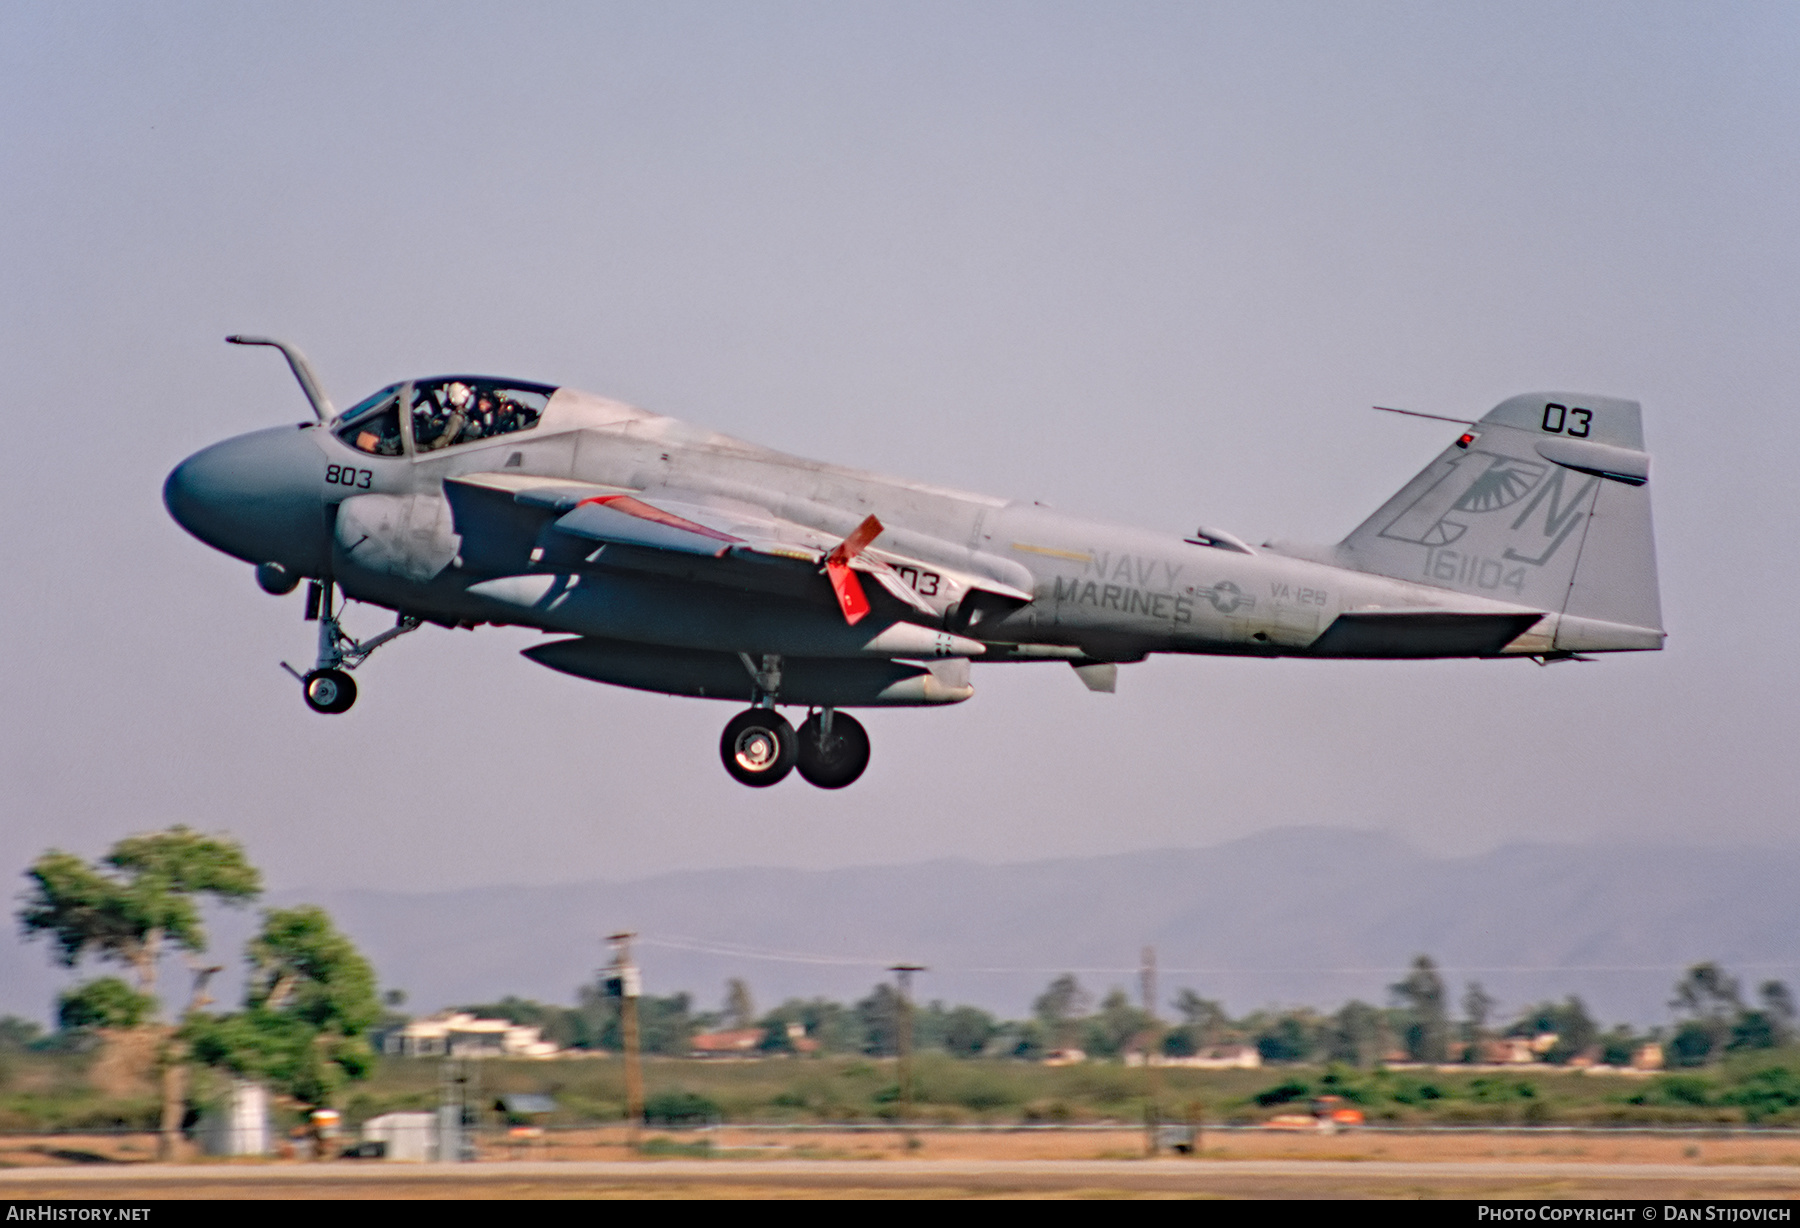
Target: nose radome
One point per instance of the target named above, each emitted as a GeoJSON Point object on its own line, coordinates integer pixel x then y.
{"type": "Point", "coordinates": [256, 497]}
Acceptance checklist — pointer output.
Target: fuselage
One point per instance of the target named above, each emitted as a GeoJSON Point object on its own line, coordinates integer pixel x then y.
{"type": "Point", "coordinates": [384, 528]}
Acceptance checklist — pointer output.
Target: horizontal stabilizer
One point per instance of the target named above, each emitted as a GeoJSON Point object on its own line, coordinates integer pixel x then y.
{"type": "Point", "coordinates": [1420, 633]}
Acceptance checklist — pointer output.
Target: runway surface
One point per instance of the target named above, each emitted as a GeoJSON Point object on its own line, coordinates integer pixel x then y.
{"type": "Point", "coordinates": [907, 1178]}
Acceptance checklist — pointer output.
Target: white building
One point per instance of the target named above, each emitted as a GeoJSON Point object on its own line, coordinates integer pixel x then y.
{"type": "Point", "coordinates": [408, 1137]}
{"type": "Point", "coordinates": [459, 1034]}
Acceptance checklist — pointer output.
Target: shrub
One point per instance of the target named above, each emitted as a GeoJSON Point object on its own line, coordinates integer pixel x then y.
{"type": "Point", "coordinates": [1683, 1090]}
{"type": "Point", "coordinates": [680, 1108]}
{"type": "Point", "coordinates": [1766, 1093]}
{"type": "Point", "coordinates": [1494, 1091]}
{"type": "Point", "coordinates": [1285, 1092]}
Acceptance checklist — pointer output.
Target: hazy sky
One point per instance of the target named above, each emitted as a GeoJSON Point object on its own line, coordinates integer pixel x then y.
{"type": "Point", "coordinates": [1146, 261]}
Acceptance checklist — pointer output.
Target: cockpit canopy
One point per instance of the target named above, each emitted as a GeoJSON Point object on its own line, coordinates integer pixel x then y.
{"type": "Point", "coordinates": [443, 412]}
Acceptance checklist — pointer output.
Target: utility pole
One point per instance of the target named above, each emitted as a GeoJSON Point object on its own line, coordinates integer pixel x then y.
{"type": "Point", "coordinates": [626, 982]}
{"type": "Point", "coordinates": [1152, 1043]}
{"type": "Point", "coordinates": [904, 1045]}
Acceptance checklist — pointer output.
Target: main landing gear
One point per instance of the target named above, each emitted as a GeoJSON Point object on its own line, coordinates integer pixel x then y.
{"type": "Point", "coordinates": [834, 749]}
{"type": "Point", "coordinates": [328, 687]}
{"type": "Point", "coordinates": [760, 748]}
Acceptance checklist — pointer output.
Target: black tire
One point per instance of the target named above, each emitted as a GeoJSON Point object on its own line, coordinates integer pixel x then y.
{"type": "Point", "coordinates": [759, 747]}
{"type": "Point", "coordinates": [330, 691]}
{"type": "Point", "coordinates": [832, 763]}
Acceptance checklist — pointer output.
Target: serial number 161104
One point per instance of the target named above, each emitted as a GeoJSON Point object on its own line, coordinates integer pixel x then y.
{"type": "Point", "coordinates": [1472, 571]}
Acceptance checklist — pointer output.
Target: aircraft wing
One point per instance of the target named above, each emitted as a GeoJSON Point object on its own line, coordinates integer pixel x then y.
{"type": "Point", "coordinates": [697, 526]}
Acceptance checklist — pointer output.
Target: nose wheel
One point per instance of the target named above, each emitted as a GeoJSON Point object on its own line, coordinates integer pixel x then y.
{"type": "Point", "coordinates": [834, 749]}
{"type": "Point", "coordinates": [327, 687]}
{"type": "Point", "coordinates": [759, 747]}
{"type": "Point", "coordinates": [329, 691]}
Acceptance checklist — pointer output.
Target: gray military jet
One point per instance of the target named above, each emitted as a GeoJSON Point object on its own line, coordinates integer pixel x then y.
{"type": "Point", "coordinates": [672, 559]}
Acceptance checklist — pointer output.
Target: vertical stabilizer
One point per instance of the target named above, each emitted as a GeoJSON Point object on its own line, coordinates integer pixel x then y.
{"type": "Point", "coordinates": [1546, 503]}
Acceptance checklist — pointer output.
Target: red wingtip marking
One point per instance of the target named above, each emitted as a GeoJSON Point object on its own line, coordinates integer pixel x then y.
{"type": "Point", "coordinates": [848, 588]}
{"type": "Point", "coordinates": [643, 511]}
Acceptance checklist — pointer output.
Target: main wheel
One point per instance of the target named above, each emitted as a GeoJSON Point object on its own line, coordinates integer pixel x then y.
{"type": "Point", "coordinates": [330, 691]}
{"type": "Point", "coordinates": [759, 747]}
{"type": "Point", "coordinates": [835, 761]}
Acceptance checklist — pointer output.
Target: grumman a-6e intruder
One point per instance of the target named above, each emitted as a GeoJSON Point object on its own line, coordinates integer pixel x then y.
{"type": "Point", "coordinates": [669, 558]}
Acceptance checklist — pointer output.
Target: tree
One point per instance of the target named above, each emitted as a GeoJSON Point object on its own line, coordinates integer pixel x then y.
{"type": "Point", "coordinates": [1754, 1030]}
{"type": "Point", "coordinates": [833, 1025]}
{"type": "Point", "coordinates": [967, 1031]}
{"type": "Point", "coordinates": [141, 896]}
{"type": "Point", "coordinates": [666, 1025]}
{"type": "Point", "coordinates": [311, 997]}
{"type": "Point", "coordinates": [1203, 1019]}
{"type": "Point", "coordinates": [1478, 1007]}
{"type": "Point", "coordinates": [1777, 1012]}
{"type": "Point", "coordinates": [18, 1034]}
{"type": "Point", "coordinates": [1575, 1030]}
{"type": "Point", "coordinates": [879, 1014]}
{"type": "Point", "coordinates": [1290, 1037]}
{"type": "Point", "coordinates": [1115, 1025]}
{"type": "Point", "coordinates": [1619, 1046]}
{"type": "Point", "coordinates": [1356, 1035]}
{"type": "Point", "coordinates": [1059, 1006]}
{"type": "Point", "coordinates": [1768, 1027]}
{"type": "Point", "coordinates": [1026, 1040]}
{"type": "Point", "coordinates": [1695, 1043]}
{"type": "Point", "coordinates": [104, 1003]}
{"type": "Point", "coordinates": [1708, 1002]}
{"type": "Point", "coordinates": [1422, 994]}
{"type": "Point", "coordinates": [1706, 990]}
{"type": "Point", "coordinates": [740, 1009]}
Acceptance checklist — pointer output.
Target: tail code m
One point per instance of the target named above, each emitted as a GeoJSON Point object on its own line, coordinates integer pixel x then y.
{"type": "Point", "coordinates": [1560, 518]}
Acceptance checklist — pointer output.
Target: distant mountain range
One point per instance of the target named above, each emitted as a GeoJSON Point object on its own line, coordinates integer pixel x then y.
{"type": "Point", "coordinates": [1292, 916]}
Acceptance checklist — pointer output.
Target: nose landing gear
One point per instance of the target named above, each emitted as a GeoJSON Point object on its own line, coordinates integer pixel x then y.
{"type": "Point", "coordinates": [327, 687]}
{"type": "Point", "coordinates": [330, 691]}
